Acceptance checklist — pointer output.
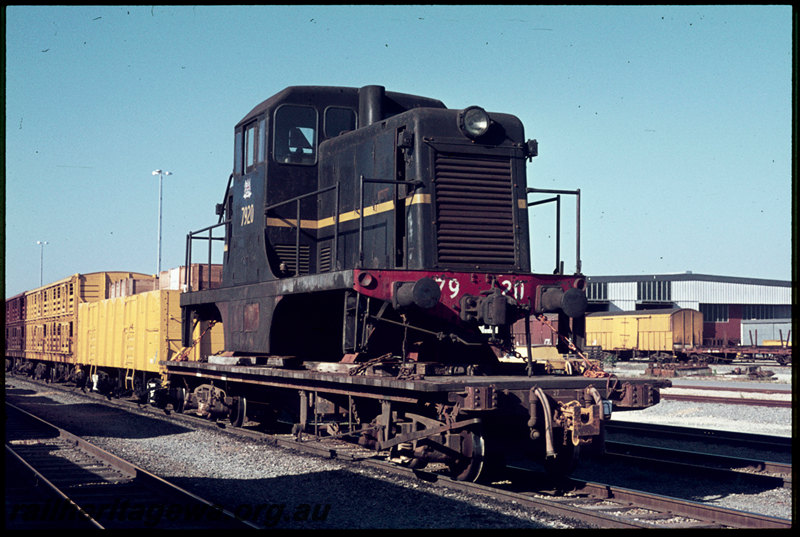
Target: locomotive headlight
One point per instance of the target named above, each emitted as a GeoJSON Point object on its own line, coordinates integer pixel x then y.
{"type": "Point", "coordinates": [474, 122]}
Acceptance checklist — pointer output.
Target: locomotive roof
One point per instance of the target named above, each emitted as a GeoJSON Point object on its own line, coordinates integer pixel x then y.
{"type": "Point", "coordinates": [326, 95]}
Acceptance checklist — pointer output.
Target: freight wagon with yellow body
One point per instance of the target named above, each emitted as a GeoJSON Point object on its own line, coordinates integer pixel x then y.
{"type": "Point", "coordinates": [676, 332]}
{"type": "Point", "coordinates": [42, 322]}
{"type": "Point", "coordinates": [127, 336]}
{"type": "Point", "coordinates": [109, 328]}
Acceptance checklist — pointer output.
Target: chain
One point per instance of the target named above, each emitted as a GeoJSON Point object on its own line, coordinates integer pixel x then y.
{"type": "Point", "coordinates": [590, 370]}
{"type": "Point", "coordinates": [363, 366]}
{"type": "Point", "coordinates": [185, 352]}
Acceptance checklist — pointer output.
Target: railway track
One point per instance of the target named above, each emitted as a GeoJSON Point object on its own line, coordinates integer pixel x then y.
{"type": "Point", "coordinates": [731, 400]}
{"type": "Point", "coordinates": [596, 504]}
{"type": "Point", "coordinates": [758, 470]}
{"type": "Point", "coordinates": [592, 503]}
{"type": "Point", "coordinates": [668, 512]}
{"type": "Point", "coordinates": [761, 459]}
{"type": "Point", "coordinates": [707, 436]}
{"type": "Point", "coordinates": [60, 480]}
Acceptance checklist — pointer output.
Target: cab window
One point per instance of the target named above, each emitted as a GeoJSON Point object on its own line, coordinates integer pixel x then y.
{"type": "Point", "coordinates": [339, 120]}
{"type": "Point", "coordinates": [262, 134]}
{"type": "Point", "coordinates": [295, 134]}
{"type": "Point", "coordinates": [250, 146]}
{"type": "Point", "coordinates": [237, 153]}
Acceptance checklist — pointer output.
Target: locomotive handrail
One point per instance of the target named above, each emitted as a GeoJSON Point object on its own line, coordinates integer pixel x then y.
{"type": "Point", "coordinates": [362, 181]}
{"type": "Point", "coordinates": [193, 235]}
{"type": "Point", "coordinates": [188, 261]}
{"type": "Point", "coordinates": [221, 206]}
{"type": "Point", "coordinates": [300, 197]}
{"type": "Point", "coordinates": [297, 200]}
{"type": "Point", "coordinates": [557, 199]}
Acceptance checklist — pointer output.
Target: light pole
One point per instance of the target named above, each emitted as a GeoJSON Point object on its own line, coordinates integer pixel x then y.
{"type": "Point", "coordinates": [41, 260]}
{"type": "Point", "coordinates": [160, 174]}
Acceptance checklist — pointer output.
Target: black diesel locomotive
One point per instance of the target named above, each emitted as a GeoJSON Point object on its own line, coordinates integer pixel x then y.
{"type": "Point", "coordinates": [375, 258]}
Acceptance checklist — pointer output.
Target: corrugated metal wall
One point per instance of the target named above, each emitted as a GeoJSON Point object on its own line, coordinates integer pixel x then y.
{"type": "Point", "coordinates": [707, 292]}
{"type": "Point", "coordinates": [690, 291]}
{"type": "Point", "coordinates": [622, 296]}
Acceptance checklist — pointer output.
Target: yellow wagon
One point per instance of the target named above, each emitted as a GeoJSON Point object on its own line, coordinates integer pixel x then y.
{"type": "Point", "coordinates": [51, 314]}
{"type": "Point", "coordinates": [627, 334]}
{"type": "Point", "coordinates": [130, 335]}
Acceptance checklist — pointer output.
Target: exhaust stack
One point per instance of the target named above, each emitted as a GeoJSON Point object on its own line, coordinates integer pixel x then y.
{"type": "Point", "coordinates": [370, 105]}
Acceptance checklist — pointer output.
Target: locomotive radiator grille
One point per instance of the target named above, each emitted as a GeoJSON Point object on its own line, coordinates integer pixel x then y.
{"type": "Point", "coordinates": [474, 210]}
{"type": "Point", "coordinates": [287, 255]}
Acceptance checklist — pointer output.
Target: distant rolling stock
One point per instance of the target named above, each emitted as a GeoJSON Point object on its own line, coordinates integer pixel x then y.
{"type": "Point", "coordinates": [643, 333]}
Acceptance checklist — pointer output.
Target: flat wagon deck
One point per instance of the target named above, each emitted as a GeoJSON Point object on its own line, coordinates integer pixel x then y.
{"type": "Point", "coordinates": [320, 375]}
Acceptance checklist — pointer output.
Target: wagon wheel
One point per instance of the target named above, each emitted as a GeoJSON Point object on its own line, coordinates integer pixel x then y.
{"type": "Point", "coordinates": [417, 464]}
{"type": "Point", "coordinates": [179, 400]}
{"type": "Point", "coordinates": [469, 465]}
{"type": "Point", "coordinates": [238, 411]}
{"type": "Point", "coordinates": [564, 462]}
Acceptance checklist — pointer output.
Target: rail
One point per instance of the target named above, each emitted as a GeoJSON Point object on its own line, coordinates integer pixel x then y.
{"type": "Point", "coordinates": [296, 200]}
{"type": "Point", "coordinates": [557, 199]}
{"type": "Point", "coordinates": [80, 473]}
{"type": "Point", "coordinates": [192, 236]}
{"type": "Point", "coordinates": [296, 224]}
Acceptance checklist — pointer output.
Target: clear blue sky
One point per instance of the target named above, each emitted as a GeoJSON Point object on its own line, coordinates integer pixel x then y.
{"type": "Point", "coordinates": [675, 122]}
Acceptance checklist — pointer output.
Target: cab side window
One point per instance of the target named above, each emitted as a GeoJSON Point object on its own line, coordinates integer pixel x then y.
{"type": "Point", "coordinates": [250, 146]}
{"type": "Point", "coordinates": [238, 153]}
{"type": "Point", "coordinates": [339, 120]}
{"type": "Point", "coordinates": [295, 134]}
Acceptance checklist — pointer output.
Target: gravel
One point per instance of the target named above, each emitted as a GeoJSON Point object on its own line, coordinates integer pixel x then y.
{"type": "Point", "coordinates": [279, 488]}
{"type": "Point", "coordinates": [742, 418]}
{"type": "Point", "coordinates": [275, 487]}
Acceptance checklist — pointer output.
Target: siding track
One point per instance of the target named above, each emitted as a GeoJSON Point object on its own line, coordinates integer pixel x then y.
{"type": "Point", "coordinates": [83, 485]}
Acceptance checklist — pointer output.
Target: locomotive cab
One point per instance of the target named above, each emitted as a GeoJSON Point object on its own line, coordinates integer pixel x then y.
{"type": "Point", "coordinates": [276, 179]}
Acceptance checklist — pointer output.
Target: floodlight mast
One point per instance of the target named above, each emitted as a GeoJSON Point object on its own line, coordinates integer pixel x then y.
{"type": "Point", "coordinates": [41, 260]}
{"type": "Point", "coordinates": [160, 173]}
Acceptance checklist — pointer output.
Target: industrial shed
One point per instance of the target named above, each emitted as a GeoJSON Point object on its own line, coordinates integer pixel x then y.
{"type": "Point", "coordinates": [724, 301]}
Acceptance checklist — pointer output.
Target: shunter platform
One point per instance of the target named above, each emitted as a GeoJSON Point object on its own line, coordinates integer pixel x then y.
{"type": "Point", "coordinates": [321, 375]}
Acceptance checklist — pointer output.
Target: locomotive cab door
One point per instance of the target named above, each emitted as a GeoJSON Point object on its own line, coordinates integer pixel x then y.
{"type": "Point", "coordinates": [245, 261]}
{"type": "Point", "coordinates": [291, 207]}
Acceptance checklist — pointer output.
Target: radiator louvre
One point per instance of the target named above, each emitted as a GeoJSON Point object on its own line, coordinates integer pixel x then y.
{"type": "Point", "coordinates": [474, 210]}
{"type": "Point", "coordinates": [287, 255]}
